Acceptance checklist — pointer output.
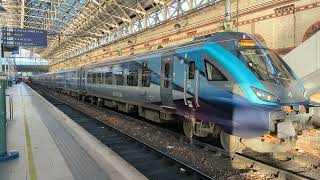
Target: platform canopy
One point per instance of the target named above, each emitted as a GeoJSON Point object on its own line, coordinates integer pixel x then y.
{"type": "Point", "coordinates": [78, 26]}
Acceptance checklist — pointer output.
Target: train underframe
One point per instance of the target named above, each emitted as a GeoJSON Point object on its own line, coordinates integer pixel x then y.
{"type": "Point", "coordinates": [282, 135]}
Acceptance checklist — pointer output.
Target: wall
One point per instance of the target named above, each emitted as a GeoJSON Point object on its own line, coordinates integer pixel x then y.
{"type": "Point", "coordinates": [305, 59]}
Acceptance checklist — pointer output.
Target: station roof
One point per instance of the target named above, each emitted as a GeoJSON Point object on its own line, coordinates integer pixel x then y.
{"type": "Point", "coordinates": [76, 26]}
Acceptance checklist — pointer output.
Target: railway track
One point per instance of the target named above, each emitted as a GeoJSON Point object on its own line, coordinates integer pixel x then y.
{"type": "Point", "coordinates": [153, 163]}
{"type": "Point", "coordinates": [166, 166]}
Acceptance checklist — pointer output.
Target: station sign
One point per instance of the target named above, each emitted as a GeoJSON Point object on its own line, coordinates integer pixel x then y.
{"type": "Point", "coordinates": [24, 37]}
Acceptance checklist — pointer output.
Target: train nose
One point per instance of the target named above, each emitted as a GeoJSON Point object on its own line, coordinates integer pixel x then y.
{"type": "Point", "coordinates": [291, 94]}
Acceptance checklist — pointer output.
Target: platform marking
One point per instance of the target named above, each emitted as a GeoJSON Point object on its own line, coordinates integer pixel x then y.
{"type": "Point", "coordinates": [32, 169]}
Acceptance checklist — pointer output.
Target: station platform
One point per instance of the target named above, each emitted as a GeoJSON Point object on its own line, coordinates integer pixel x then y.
{"type": "Point", "coordinates": [53, 147]}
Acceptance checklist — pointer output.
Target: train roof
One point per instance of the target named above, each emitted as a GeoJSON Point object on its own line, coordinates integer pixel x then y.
{"type": "Point", "coordinates": [198, 41]}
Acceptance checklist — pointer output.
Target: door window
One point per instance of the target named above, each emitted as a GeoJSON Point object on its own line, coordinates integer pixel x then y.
{"type": "Point", "coordinates": [192, 69]}
{"type": "Point", "coordinates": [146, 76]}
{"type": "Point", "coordinates": [167, 71]}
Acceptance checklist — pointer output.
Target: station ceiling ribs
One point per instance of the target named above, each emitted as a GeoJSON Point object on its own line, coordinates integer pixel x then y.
{"type": "Point", "coordinates": [76, 26]}
{"type": "Point", "coordinates": [101, 21]}
{"type": "Point", "coordinates": [50, 15]}
{"type": "Point", "coordinates": [155, 12]}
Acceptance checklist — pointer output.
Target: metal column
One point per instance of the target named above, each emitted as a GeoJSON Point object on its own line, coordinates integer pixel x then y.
{"type": "Point", "coordinates": [227, 23]}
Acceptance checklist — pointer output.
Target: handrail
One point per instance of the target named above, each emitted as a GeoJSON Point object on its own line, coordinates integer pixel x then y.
{"type": "Point", "coordinates": [197, 87]}
{"type": "Point", "coordinates": [185, 88]}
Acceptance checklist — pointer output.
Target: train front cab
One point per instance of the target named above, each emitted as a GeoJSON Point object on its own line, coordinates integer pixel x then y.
{"type": "Point", "coordinates": [222, 96]}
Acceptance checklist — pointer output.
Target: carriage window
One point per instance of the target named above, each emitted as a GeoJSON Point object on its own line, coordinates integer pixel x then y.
{"type": "Point", "coordinates": [146, 76]}
{"type": "Point", "coordinates": [213, 73]}
{"type": "Point", "coordinates": [94, 79]}
{"type": "Point", "coordinates": [108, 78]}
{"type": "Point", "coordinates": [132, 78]}
{"type": "Point", "coordinates": [192, 69]}
{"type": "Point", "coordinates": [98, 78]}
{"type": "Point", "coordinates": [89, 78]}
{"type": "Point", "coordinates": [119, 78]}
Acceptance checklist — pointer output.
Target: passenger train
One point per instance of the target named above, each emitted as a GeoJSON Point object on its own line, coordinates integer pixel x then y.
{"type": "Point", "coordinates": [225, 85]}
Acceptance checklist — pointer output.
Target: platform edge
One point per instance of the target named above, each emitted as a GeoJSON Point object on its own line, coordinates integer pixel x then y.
{"type": "Point", "coordinates": [110, 162]}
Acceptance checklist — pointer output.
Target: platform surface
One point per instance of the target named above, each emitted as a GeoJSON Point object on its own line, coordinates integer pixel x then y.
{"type": "Point", "coordinates": [51, 153]}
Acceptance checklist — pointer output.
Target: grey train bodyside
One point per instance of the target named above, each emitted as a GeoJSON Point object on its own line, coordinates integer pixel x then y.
{"type": "Point", "coordinates": [213, 91]}
{"type": "Point", "coordinates": [125, 86]}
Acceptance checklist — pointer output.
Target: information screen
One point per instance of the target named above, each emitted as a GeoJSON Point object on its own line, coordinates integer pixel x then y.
{"type": "Point", "coordinates": [24, 37]}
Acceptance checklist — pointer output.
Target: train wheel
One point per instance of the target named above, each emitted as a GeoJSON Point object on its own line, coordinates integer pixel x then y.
{"type": "Point", "coordinates": [230, 143]}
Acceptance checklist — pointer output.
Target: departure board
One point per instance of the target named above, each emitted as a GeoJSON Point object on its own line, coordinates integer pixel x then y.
{"type": "Point", "coordinates": [24, 37]}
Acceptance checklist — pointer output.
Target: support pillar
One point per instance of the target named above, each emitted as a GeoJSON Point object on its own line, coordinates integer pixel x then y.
{"type": "Point", "coordinates": [227, 24]}
{"type": "Point", "coordinates": [4, 154]}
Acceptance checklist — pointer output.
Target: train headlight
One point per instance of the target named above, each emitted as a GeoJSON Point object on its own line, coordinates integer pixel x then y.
{"type": "Point", "coordinates": [264, 96]}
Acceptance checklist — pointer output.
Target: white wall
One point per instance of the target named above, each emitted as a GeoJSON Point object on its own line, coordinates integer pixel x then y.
{"type": "Point", "coordinates": [305, 59]}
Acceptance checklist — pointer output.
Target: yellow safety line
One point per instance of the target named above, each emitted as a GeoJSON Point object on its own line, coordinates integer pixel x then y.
{"type": "Point", "coordinates": [32, 169]}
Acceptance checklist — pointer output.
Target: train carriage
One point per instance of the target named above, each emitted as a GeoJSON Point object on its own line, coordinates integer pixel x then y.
{"type": "Point", "coordinates": [225, 85]}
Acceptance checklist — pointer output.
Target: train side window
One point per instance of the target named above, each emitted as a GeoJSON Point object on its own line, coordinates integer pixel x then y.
{"type": "Point", "coordinates": [192, 69]}
{"type": "Point", "coordinates": [89, 78]}
{"type": "Point", "coordinates": [99, 78]}
{"type": "Point", "coordinates": [108, 78]}
{"type": "Point", "coordinates": [213, 73]}
{"type": "Point", "coordinates": [119, 78]}
{"type": "Point", "coordinates": [146, 76]}
{"type": "Point", "coordinates": [132, 78]}
{"type": "Point", "coordinates": [94, 78]}
{"type": "Point", "coordinates": [83, 77]}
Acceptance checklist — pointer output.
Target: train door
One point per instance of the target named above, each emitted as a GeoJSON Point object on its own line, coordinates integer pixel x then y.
{"type": "Point", "coordinates": [186, 76]}
{"type": "Point", "coordinates": [166, 81]}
